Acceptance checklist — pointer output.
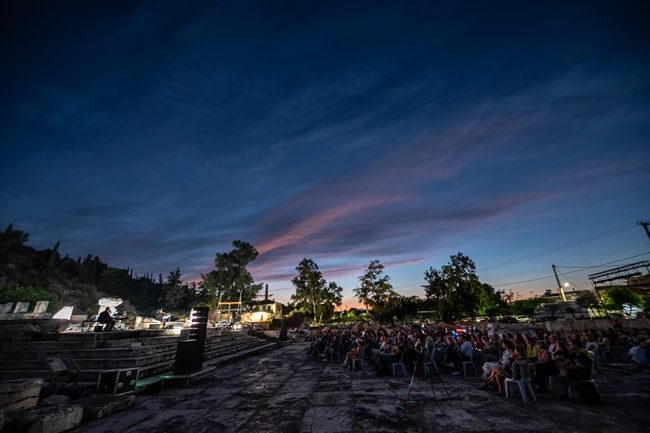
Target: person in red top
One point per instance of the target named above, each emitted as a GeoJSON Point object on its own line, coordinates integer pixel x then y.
{"type": "Point", "coordinates": [478, 343]}
{"type": "Point", "coordinates": [544, 367]}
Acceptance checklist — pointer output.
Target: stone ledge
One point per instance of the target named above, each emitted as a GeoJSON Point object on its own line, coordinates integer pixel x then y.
{"type": "Point", "coordinates": [48, 419]}
{"type": "Point", "coordinates": [100, 406]}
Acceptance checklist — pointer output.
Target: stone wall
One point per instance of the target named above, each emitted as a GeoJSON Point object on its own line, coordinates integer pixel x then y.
{"type": "Point", "coordinates": [564, 326]}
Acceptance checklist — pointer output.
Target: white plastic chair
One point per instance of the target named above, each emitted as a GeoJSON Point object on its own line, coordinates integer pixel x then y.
{"type": "Point", "coordinates": [464, 365]}
{"type": "Point", "coordinates": [521, 377]}
{"type": "Point", "coordinates": [397, 365]}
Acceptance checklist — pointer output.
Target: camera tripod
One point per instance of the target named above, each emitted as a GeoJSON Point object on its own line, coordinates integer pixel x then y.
{"type": "Point", "coordinates": [434, 368]}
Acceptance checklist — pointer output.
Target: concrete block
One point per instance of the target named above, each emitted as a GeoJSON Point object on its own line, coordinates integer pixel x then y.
{"type": "Point", "coordinates": [49, 419]}
{"type": "Point", "coordinates": [41, 307]}
{"type": "Point", "coordinates": [21, 307]}
{"type": "Point", "coordinates": [17, 395]}
{"type": "Point", "coordinates": [100, 406]}
{"type": "Point", "coordinates": [54, 400]}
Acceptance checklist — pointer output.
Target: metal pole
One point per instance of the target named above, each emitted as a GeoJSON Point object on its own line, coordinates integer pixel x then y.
{"type": "Point", "coordinates": [560, 290]}
{"type": "Point", "coordinates": [645, 224]}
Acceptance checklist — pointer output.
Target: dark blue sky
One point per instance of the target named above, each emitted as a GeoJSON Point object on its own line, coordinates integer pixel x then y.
{"type": "Point", "coordinates": [154, 134]}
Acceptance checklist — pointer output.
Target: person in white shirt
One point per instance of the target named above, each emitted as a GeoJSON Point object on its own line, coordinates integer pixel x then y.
{"type": "Point", "coordinates": [508, 352]}
{"type": "Point", "coordinates": [552, 347]}
{"type": "Point", "coordinates": [462, 353]}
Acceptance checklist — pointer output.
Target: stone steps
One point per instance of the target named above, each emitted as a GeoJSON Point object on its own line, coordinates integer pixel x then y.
{"type": "Point", "coordinates": [151, 359]}
{"type": "Point", "coordinates": [114, 358]}
{"type": "Point", "coordinates": [86, 343]}
{"type": "Point", "coordinates": [97, 352]}
{"type": "Point", "coordinates": [114, 335]}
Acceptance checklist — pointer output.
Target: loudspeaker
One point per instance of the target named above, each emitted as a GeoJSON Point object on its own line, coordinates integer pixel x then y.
{"type": "Point", "coordinates": [189, 356]}
{"type": "Point", "coordinates": [116, 382]}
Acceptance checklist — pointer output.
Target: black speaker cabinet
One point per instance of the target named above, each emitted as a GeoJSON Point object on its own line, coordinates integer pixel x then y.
{"type": "Point", "coordinates": [189, 356]}
{"type": "Point", "coordinates": [116, 382]}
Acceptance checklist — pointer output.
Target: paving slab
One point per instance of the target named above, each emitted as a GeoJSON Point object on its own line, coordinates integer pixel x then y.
{"type": "Point", "coordinates": [275, 420]}
{"type": "Point", "coordinates": [289, 400]}
{"type": "Point", "coordinates": [168, 420]}
{"type": "Point", "coordinates": [287, 392]}
{"type": "Point", "coordinates": [120, 424]}
{"type": "Point", "coordinates": [298, 386]}
{"type": "Point", "coordinates": [328, 419]}
{"type": "Point", "coordinates": [218, 421]}
{"type": "Point", "coordinates": [453, 420]}
{"type": "Point", "coordinates": [328, 398]}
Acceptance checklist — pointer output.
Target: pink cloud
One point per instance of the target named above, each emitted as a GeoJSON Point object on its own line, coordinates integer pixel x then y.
{"type": "Point", "coordinates": [321, 220]}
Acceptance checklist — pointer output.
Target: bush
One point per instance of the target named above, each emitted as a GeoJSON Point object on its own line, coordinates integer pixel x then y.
{"type": "Point", "coordinates": [28, 294]}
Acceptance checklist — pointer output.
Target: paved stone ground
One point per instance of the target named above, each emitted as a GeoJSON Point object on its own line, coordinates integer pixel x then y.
{"type": "Point", "coordinates": [282, 391]}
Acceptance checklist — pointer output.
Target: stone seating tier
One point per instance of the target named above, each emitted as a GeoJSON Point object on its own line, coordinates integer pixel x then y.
{"type": "Point", "coordinates": [155, 355]}
{"type": "Point", "coordinates": [122, 358]}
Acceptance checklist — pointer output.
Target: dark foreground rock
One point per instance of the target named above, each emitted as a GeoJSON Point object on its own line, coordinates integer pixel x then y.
{"type": "Point", "coordinates": [21, 394]}
{"type": "Point", "coordinates": [48, 419]}
{"type": "Point", "coordinates": [101, 406]}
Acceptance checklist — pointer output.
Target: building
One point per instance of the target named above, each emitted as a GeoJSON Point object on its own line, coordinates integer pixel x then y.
{"type": "Point", "coordinates": [560, 306]}
{"type": "Point", "coordinates": [262, 311]}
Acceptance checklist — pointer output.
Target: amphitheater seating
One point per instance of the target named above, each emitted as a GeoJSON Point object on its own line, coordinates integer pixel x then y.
{"type": "Point", "coordinates": [153, 351]}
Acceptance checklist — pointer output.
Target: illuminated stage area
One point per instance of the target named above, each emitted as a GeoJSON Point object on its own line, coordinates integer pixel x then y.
{"type": "Point", "coordinates": [283, 391]}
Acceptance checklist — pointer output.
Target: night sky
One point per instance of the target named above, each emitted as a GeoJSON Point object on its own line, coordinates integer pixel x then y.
{"type": "Point", "coordinates": [154, 134]}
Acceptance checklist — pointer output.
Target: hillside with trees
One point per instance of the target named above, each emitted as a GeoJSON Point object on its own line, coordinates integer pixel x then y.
{"type": "Point", "coordinates": [31, 275]}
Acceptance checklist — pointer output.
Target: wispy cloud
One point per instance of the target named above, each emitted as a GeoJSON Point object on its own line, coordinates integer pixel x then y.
{"type": "Point", "coordinates": [171, 130]}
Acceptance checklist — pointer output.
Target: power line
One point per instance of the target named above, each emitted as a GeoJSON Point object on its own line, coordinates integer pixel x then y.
{"type": "Point", "coordinates": [565, 246]}
{"type": "Point", "coordinates": [525, 281]}
{"type": "Point", "coordinates": [572, 272]}
{"type": "Point", "coordinates": [574, 267]}
{"type": "Point", "coordinates": [570, 282]}
{"type": "Point", "coordinates": [602, 265]}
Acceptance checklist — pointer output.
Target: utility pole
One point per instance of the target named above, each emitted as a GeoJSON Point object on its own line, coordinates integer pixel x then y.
{"type": "Point", "coordinates": [645, 225]}
{"type": "Point", "coordinates": [560, 290]}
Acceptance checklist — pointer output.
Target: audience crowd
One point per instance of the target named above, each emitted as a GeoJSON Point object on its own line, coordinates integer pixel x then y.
{"type": "Point", "coordinates": [570, 357]}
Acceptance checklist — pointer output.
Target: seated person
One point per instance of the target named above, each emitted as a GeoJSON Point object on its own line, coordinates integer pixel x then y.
{"type": "Point", "coordinates": [638, 354]}
{"type": "Point", "coordinates": [384, 360]}
{"type": "Point", "coordinates": [490, 349]}
{"type": "Point", "coordinates": [353, 353]}
{"type": "Point", "coordinates": [532, 349]}
{"type": "Point", "coordinates": [508, 352]}
{"type": "Point", "coordinates": [576, 367]}
{"type": "Point", "coordinates": [106, 319]}
{"type": "Point", "coordinates": [498, 375]}
{"type": "Point", "coordinates": [462, 353]}
{"type": "Point", "coordinates": [449, 349]}
{"type": "Point", "coordinates": [544, 367]}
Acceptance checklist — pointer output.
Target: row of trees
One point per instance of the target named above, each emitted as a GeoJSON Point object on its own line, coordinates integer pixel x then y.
{"type": "Point", "coordinates": [451, 292]}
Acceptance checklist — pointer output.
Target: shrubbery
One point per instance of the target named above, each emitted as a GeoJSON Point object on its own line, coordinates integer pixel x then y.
{"type": "Point", "coordinates": [28, 294]}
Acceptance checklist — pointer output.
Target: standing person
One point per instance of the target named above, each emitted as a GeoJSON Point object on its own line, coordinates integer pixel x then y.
{"type": "Point", "coordinates": [106, 319]}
